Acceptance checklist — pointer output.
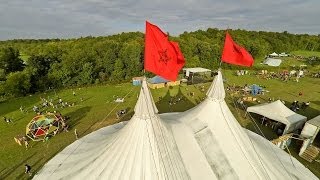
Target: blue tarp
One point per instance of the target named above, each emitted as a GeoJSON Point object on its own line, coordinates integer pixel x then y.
{"type": "Point", "coordinates": [136, 82]}
{"type": "Point", "coordinates": [157, 80]}
{"type": "Point", "coordinates": [255, 89]}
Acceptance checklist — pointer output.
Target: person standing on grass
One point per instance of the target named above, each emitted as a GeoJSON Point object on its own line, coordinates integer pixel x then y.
{"type": "Point", "coordinates": [28, 169]}
{"type": "Point", "coordinates": [76, 133]}
{"type": "Point", "coordinates": [26, 143]}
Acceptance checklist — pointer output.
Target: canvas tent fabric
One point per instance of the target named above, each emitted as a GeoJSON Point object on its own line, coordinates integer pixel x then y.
{"type": "Point", "coordinates": [279, 112]}
{"type": "Point", "coordinates": [157, 80]}
{"type": "Point", "coordinates": [283, 54]}
{"type": "Point", "coordinates": [311, 129]}
{"type": "Point", "coordinates": [195, 70]}
{"type": "Point", "coordinates": [205, 142]}
{"type": "Point", "coordinates": [315, 121]}
{"type": "Point", "coordinates": [272, 62]}
{"type": "Point", "coordinates": [274, 54]}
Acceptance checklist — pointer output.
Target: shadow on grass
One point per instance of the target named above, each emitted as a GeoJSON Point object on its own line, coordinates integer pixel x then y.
{"type": "Point", "coordinates": [76, 115]}
{"type": "Point", "coordinates": [309, 112]}
{"type": "Point", "coordinates": [128, 115]}
{"type": "Point", "coordinates": [268, 132]}
{"type": "Point", "coordinates": [316, 102]}
{"type": "Point", "coordinates": [14, 104]}
{"type": "Point", "coordinates": [179, 103]}
{"type": "Point", "coordinates": [33, 171]}
{"type": "Point", "coordinates": [35, 168]}
{"type": "Point", "coordinates": [13, 169]}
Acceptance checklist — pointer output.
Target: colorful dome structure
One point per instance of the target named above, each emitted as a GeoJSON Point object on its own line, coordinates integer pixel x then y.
{"type": "Point", "coordinates": [43, 126]}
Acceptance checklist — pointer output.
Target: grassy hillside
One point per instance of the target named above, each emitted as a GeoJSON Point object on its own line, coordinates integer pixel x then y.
{"type": "Point", "coordinates": [306, 53]}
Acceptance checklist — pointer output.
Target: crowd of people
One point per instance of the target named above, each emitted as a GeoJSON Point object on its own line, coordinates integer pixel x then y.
{"type": "Point", "coordinates": [284, 76]}
{"type": "Point", "coordinates": [7, 120]}
{"type": "Point", "coordinates": [295, 106]}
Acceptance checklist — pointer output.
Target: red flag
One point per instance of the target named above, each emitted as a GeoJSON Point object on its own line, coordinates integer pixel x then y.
{"type": "Point", "coordinates": [235, 54]}
{"type": "Point", "coordinates": [161, 56]}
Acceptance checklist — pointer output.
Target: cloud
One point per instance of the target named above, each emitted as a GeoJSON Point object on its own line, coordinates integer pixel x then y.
{"type": "Point", "coordinates": [66, 18]}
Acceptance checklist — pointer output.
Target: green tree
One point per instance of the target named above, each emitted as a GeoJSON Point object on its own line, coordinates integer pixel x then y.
{"type": "Point", "coordinates": [130, 54]}
{"type": "Point", "coordinates": [17, 84]}
{"type": "Point", "coordinates": [10, 61]}
{"type": "Point", "coordinates": [86, 76]}
{"type": "Point", "coordinates": [118, 73]}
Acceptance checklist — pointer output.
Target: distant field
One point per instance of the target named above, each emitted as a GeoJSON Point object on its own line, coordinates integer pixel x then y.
{"type": "Point", "coordinates": [306, 53]}
{"type": "Point", "coordinates": [289, 63]}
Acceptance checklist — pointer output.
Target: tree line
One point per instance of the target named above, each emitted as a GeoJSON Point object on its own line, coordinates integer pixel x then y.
{"type": "Point", "coordinates": [59, 63]}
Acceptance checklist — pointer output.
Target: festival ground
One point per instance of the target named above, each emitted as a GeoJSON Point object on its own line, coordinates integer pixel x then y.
{"type": "Point", "coordinates": [94, 107]}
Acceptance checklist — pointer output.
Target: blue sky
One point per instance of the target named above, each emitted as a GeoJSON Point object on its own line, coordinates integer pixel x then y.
{"type": "Point", "coordinates": [75, 18]}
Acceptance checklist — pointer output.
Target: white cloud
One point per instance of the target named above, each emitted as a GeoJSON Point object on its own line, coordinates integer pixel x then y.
{"type": "Point", "coordinates": [66, 18]}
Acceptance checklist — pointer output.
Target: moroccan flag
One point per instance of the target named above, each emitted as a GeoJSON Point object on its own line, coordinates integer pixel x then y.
{"type": "Point", "coordinates": [235, 54]}
{"type": "Point", "coordinates": [161, 56]}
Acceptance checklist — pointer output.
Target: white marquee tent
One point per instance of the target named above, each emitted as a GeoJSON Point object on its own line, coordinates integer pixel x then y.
{"type": "Point", "coordinates": [272, 62]}
{"type": "Point", "coordinates": [195, 70]}
{"type": "Point", "coordinates": [274, 54]}
{"type": "Point", "coordinates": [311, 128]}
{"type": "Point", "coordinates": [279, 112]}
{"type": "Point", "coordinates": [205, 142]}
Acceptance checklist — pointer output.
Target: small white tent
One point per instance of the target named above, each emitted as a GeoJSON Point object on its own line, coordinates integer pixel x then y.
{"type": "Point", "coordinates": [274, 54]}
{"type": "Point", "coordinates": [272, 62]}
{"type": "Point", "coordinates": [279, 112]}
{"type": "Point", "coordinates": [311, 128]}
{"type": "Point", "coordinates": [283, 54]}
{"type": "Point", "coordinates": [195, 70]}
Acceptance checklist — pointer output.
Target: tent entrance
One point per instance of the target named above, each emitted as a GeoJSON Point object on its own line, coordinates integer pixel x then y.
{"type": "Point", "coordinates": [276, 127]}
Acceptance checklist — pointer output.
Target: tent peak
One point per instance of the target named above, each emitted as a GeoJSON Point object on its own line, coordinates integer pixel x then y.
{"type": "Point", "coordinates": [216, 90]}
{"type": "Point", "coordinates": [145, 107]}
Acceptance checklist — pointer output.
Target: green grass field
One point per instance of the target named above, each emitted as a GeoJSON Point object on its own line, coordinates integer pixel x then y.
{"type": "Point", "coordinates": [98, 110]}
{"type": "Point", "coordinates": [306, 53]}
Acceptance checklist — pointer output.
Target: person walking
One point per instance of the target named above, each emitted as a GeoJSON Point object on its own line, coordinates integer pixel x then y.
{"type": "Point", "coordinates": [76, 133]}
{"type": "Point", "coordinates": [26, 143]}
{"type": "Point", "coordinates": [27, 169]}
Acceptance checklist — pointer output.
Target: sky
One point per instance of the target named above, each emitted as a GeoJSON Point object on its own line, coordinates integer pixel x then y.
{"type": "Point", "coordinates": [38, 19]}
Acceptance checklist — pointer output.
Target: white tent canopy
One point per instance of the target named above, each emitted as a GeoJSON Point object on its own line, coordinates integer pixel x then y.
{"type": "Point", "coordinates": [279, 112]}
{"type": "Point", "coordinates": [195, 70]}
{"type": "Point", "coordinates": [311, 128]}
{"type": "Point", "coordinates": [283, 54]}
{"type": "Point", "coordinates": [274, 54]}
{"type": "Point", "coordinates": [205, 142]}
{"type": "Point", "coordinates": [272, 62]}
